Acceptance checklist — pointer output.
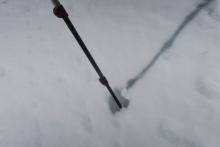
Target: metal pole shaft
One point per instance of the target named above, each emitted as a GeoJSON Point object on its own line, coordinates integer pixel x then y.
{"type": "Point", "coordinates": [82, 45]}
{"type": "Point", "coordinates": [60, 12]}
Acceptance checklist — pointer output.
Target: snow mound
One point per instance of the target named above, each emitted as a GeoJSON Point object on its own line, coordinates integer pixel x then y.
{"type": "Point", "coordinates": [214, 10]}
{"type": "Point", "coordinates": [209, 85]}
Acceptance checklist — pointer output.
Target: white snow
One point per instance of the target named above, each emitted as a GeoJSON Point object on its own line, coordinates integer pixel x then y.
{"type": "Point", "coordinates": [50, 95]}
{"type": "Point", "coordinates": [214, 10]}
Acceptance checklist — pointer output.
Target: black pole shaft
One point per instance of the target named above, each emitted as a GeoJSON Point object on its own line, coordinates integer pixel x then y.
{"type": "Point", "coordinates": [83, 46]}
{"type": "Point", "coordinates": [60, 12]}
{"type": "Point", "coordinates": [92, 61]}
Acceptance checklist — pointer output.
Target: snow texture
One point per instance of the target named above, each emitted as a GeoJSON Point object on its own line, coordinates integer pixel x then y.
{"type": "Point", "coordinates": [50, 95]}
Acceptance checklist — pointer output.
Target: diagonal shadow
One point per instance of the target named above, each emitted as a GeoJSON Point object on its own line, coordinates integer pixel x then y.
{"type": "Point", "coordinates": [4, 1]}
{"type": "Point", "coordinates": [168, 44]}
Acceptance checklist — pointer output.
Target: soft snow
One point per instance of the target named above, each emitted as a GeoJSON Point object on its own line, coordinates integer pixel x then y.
{"type": "Point", "coordinates": [50, 95]}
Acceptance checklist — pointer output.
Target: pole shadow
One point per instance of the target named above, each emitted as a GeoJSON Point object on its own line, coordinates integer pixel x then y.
{"type": "Point", "coordinates": [168, 44]}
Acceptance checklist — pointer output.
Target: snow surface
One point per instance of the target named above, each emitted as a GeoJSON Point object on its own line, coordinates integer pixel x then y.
{"type": "Point", "coordinates": [50, 95]}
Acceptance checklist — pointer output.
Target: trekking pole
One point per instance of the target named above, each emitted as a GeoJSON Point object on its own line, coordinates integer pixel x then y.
{"type": "Point", "coordinates": [60, 12]}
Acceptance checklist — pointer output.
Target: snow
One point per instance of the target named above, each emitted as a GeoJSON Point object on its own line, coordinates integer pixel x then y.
{"type": "Point", "coordinates": [214, 10]}
{"type": "Point", "coordinates": [50, 95]}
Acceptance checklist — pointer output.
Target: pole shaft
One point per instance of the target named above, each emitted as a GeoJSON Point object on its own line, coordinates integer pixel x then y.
{"type": "Point", "coordinates": [82, 45]}
{"type": "Point", "coordinates": [60, 12]}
